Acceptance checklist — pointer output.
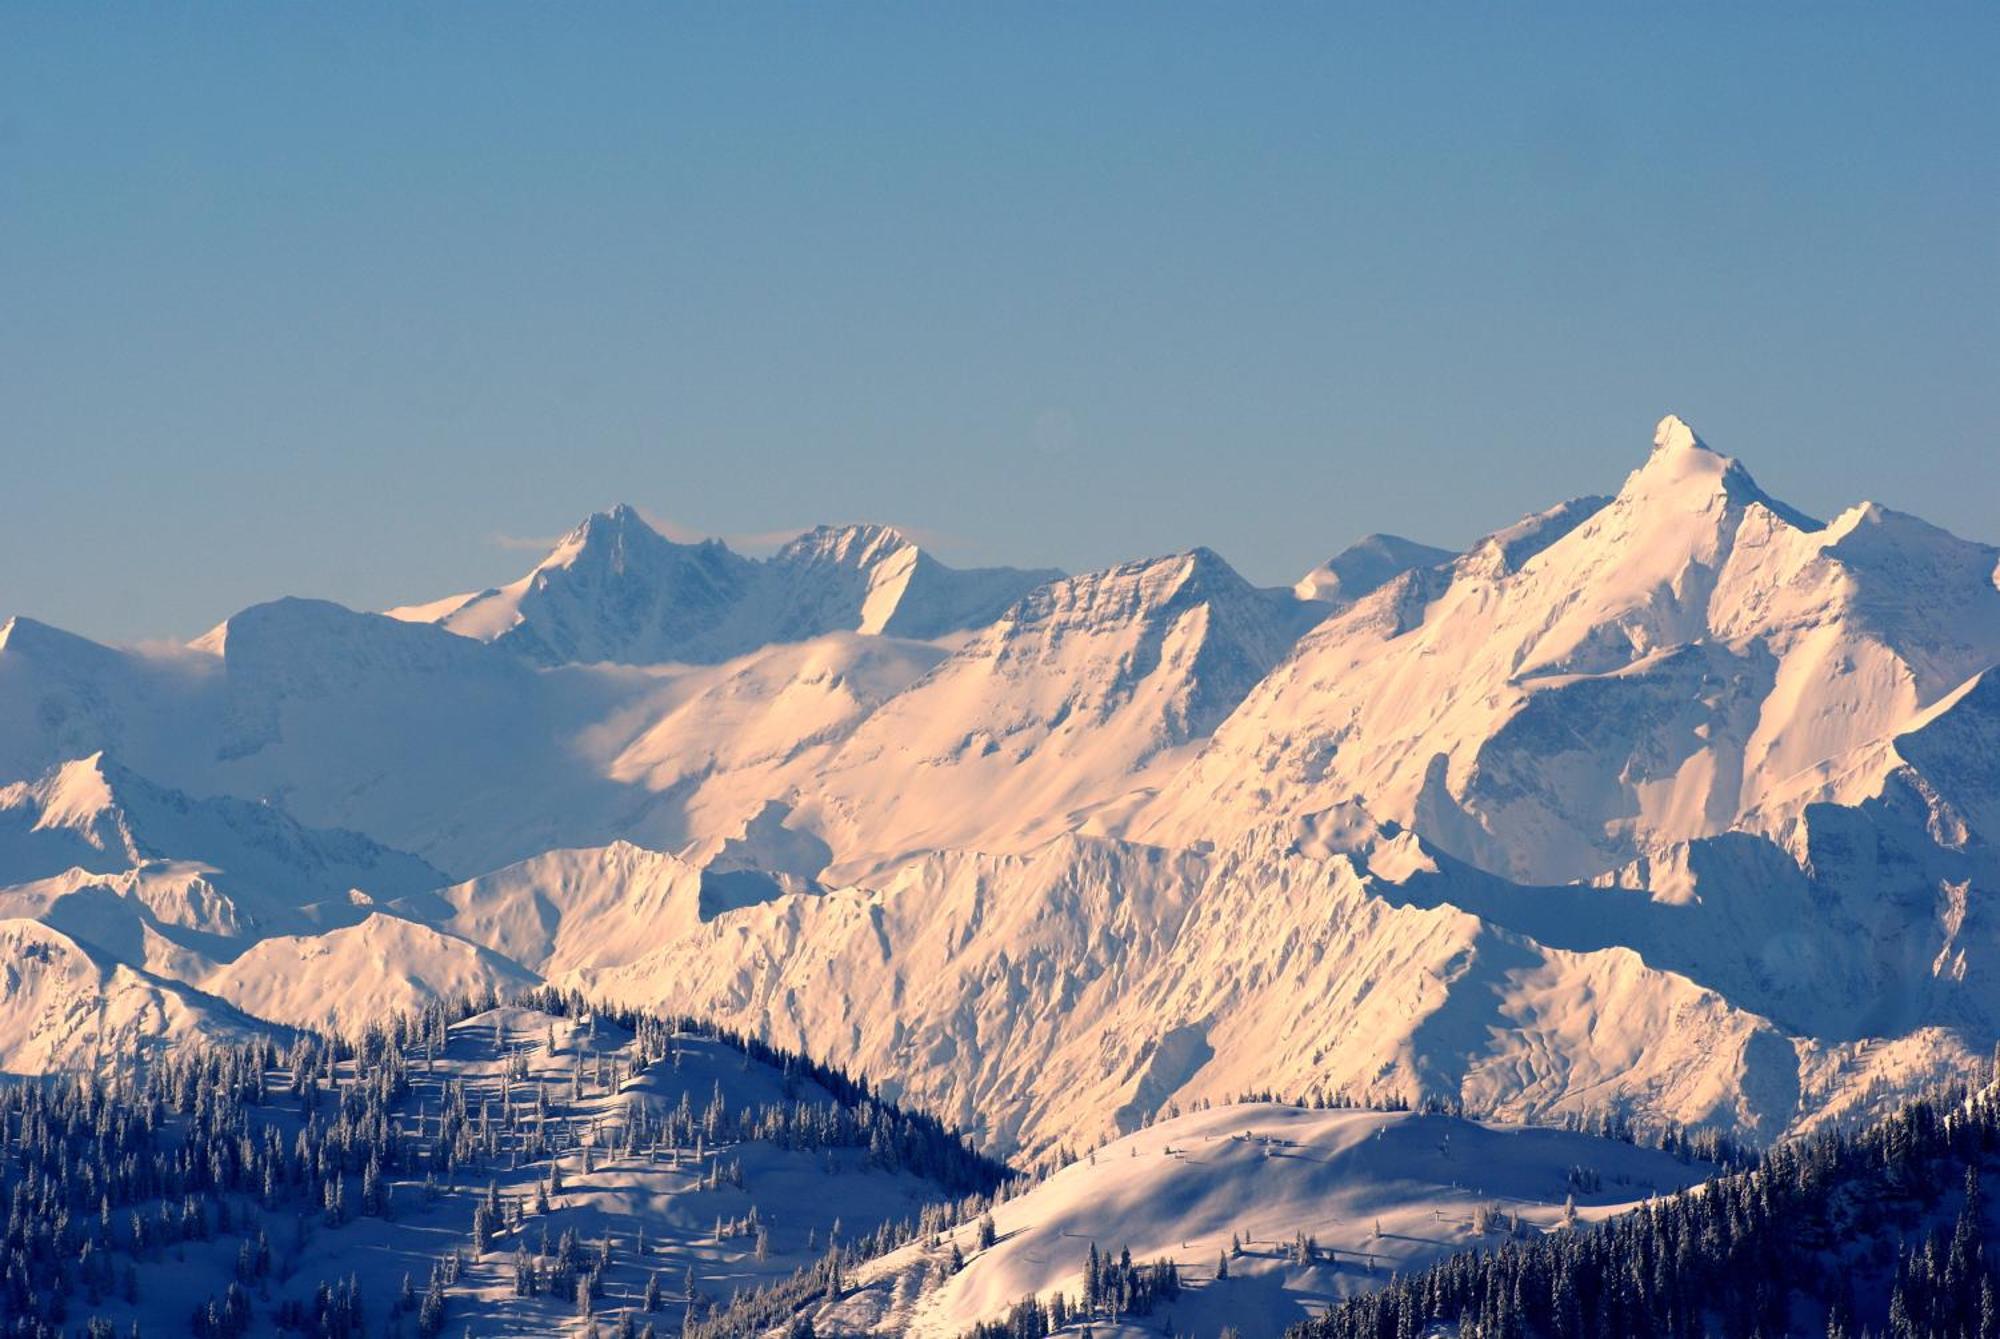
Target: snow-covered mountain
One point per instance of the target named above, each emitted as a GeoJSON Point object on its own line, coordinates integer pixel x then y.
{"type": "Point", "coordinates": [94, 815]}
{"type": "Point", "coordinates": [1688, 659]}
{"type": "Point", "coordinates": [1079, 698]}
{"type": "Point", "coordinates": [725, 743]}
{"type": "Point", "coordinates": [571, 908]}
{"type": "Point", "coordinates": [172, 885]}
{"type": "Point", "coordinates": [1070, 992]}
{"type": "Point", "coordinates": [427, 742]}
{"type": "Point", "coordinates": [1676, 802]}
{"type": "Point", "coordinates": [64, 697]}
{"type": "Point", "coordinates": [615, 589]}
{"type": "Point", "coordinates": [1367, 565]}
{"type": "Point", "coordinates": [342, 978]}
{"type": "Point", "coordinates": [67, 1006]}
{"type": "Point", "coordinates": [972, 982]}
{"type": "Point", "coordinates": [871, 579]}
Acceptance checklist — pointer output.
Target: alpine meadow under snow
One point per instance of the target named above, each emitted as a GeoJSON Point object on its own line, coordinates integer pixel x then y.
{"type": "Point", "coordinates": [1670, 813]}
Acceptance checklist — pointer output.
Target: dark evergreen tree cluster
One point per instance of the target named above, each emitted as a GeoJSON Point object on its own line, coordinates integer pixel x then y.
{"type": "Point", "coordinates": [1112, 1290]}
{"type": "Point", "coordinates": [1880, 1231]}
{"type": "Point", "coordinates": [1945, 1285]}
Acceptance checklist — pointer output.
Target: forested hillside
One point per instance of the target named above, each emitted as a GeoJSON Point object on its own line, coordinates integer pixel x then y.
{"type": "Point", "coordinates": [518, 1168]}
{"type": "Point", "coordinates": [1884, 1231]}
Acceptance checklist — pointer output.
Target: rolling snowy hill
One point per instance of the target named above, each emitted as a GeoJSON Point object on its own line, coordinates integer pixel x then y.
{"type": "Point", "coordinates": [1375, 1194]}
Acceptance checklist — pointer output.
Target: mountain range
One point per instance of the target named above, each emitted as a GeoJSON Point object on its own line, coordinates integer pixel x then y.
{"type": "Point", "coordinates": [1677, 804]}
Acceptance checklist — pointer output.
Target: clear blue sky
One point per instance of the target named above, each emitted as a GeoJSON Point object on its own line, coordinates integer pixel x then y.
{"type": "Point", "coordinates": [339, 300]}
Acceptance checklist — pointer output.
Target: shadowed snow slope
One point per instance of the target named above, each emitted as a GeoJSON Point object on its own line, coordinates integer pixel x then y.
{"type": "Point", "coordinates": [424, 741]}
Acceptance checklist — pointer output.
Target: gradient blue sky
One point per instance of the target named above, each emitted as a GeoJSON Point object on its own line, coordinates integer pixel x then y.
{"type": "Point", "coordinates": [348, 301]}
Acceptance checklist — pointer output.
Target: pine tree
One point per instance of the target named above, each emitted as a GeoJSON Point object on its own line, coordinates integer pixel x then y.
{"type": "Point", "coordinates": [482, 1228]}
{"type": "Point", "coordinates": [430, 1315]}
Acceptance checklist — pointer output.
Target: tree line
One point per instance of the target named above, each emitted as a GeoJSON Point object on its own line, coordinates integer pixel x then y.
{"type": "Point", "coordinates": [1876, 1231]}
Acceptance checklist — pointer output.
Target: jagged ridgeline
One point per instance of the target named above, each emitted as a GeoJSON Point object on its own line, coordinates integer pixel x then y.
{"type": "Point", "coordinates": [537, 1164]}
{"type": "Point", "coordinates": [1883, 1230]}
